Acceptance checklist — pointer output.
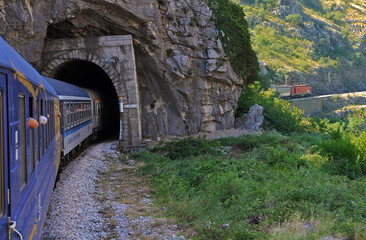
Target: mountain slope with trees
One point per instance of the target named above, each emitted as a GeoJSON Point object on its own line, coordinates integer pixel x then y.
{"type": "Point", "coordinates": [311, 41]}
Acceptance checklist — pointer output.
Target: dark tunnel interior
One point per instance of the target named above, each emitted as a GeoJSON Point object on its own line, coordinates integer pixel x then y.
{"type": "Point", "coordinates": [88, 75]}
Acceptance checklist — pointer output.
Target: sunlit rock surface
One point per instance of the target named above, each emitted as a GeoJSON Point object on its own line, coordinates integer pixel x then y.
{"type": "Point", "coordinates": [185, 81]}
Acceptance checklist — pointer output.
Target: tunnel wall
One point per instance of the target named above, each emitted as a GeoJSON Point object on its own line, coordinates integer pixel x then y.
{"type": "Point", "coordinates": [115, 55]}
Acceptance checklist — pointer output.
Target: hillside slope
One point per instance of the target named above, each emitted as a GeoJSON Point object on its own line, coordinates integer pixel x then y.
{"type": "Point", "coordinates": [321, 42]}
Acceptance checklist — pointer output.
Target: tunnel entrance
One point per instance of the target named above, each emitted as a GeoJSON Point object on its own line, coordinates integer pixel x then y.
{"type": "Point", "coordinates": [107, 65]}
{"type": "Point", "coordinates": [88, 75]}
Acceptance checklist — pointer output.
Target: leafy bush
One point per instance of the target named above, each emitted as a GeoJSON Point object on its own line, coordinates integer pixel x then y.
{"type": "Point", "coordinates": [279, 112]}
{"type": "Point", "coordinates": [188, 147]}
{"type": "Point", "coordinates": [313, 4]}
{"type": "Point", "coordinates": [235, 36]}
{"type": "Point", "coordinates": [342, 153]}
{"type": "Point", "coordinates": [361, 145]}
{"type": "Point", "coordinates": [294, 19]}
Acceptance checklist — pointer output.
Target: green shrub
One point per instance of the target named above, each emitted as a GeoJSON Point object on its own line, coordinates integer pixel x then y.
{"type": "Point", "coordinates": [278, 112]}
{"type": "Point", "coordinates": [187, 147]}
{"type": "Point", "coordinates": [361, 145]}
{"type": "Point", "coordinates": [313, 4]}
{"type": "Point", "coordinates": [294, 19]}
{"type": "Point", "coordinates": [342, 153]}
{"type": "Point", "coordinates": [235, 37]}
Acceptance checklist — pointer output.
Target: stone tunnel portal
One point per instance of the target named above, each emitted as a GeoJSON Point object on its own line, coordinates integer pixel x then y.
{"type": "Point", "coordinates": [106, 64]}
{"type": "Point", "coordinates": [88, 75]}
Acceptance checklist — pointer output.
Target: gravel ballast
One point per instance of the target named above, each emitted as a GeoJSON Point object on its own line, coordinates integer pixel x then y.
{"type": "Point", "coordinates": [73, 212]}
{"type": "Point", "coordinates": [99, 197]}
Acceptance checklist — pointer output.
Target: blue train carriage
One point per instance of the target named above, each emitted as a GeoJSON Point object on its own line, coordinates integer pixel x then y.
{"type": "Point", "coordinates": [29, 154]}
{"type": "Point", "coordinates": [76, 111]}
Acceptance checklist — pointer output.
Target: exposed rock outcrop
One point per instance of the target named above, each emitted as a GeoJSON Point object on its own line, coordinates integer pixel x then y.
{"type": "Point", "coordinates": [186, 83]}
{"type": "Point", "coordinates": [253, 120]}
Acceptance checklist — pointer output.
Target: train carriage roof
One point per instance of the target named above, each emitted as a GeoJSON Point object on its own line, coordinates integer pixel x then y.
{"type": "Point", "coordinates": [67, 89]}
{"type": "Point", "coordinates": [12, 60]}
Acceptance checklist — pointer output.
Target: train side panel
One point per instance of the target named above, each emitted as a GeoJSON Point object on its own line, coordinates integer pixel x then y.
{"type": "Point", "coordinates": [75, 136]}
{"type": "Point", "coordinates": [76, 123]}
{"type": "Point", "coordinates": [32, 156]}
{"type": "Point", "coordinates": [4, 210]}
{"type": "Point", "coordinates": [28, 156]}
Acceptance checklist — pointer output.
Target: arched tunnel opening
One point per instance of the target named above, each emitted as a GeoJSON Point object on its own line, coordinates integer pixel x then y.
{"type": "Point", "coordinates": [88, 75]}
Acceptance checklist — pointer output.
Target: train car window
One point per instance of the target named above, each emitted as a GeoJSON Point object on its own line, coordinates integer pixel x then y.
{"type": "Point", "coordinates": [23, 142]}
{"type": "Point", "coordinates": [52, 120]}
{"type": "Point", "coordinates": [46, 126]}
{"type": "Point", "coordinates": [31, 136]}
{"type": "Point", "coordinates": [68, 115]}
{"type": "Point", "coordinates": [42, 130]}
{"type": "Point", "coordinates": [94, 107]}
{"type": "Point", "coordinates": [83, 112]}
{"type": "Point", "coordinates": [49, 122]}
{"type": "Point", "coordinates": [72, 114]}
{"type": "Point", "coordinates": [38, 132]}
{"type": "Point", "coordinates": [64, 114]}
{"type": "Point", "coordinates": [77, 113]}
{"type": "Point", "coordinates": [2, 160]}
{"type": "Point", "coordinates": [48, 114]}
{"type": "Point", "coordinates": [80, 109]}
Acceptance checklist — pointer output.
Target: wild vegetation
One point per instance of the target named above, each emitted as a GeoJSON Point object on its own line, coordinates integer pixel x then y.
{"type": "Point", "coordinates": [235, 37]}
{"type": "Point", "coordinates": [299, 179]}
{"type": "Point", "coordinates": [286, 41]}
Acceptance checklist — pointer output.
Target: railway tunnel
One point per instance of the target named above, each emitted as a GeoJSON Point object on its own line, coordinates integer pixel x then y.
{"type": "Point", "coordinates": [107, 65]}
{"type": "Point", "coordinates": [88, 75]}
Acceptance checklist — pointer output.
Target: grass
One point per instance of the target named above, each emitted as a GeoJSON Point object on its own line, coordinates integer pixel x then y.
{"type": "Point", "coordinates": [265, 186]}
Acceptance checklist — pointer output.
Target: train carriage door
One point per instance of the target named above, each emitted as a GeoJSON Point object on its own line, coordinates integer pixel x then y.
{"type": "Point", "coordinates": [4, 211]}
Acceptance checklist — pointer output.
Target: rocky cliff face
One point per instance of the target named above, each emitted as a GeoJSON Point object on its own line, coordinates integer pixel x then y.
{"type": "Point", "coordinates": [186, 83]}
